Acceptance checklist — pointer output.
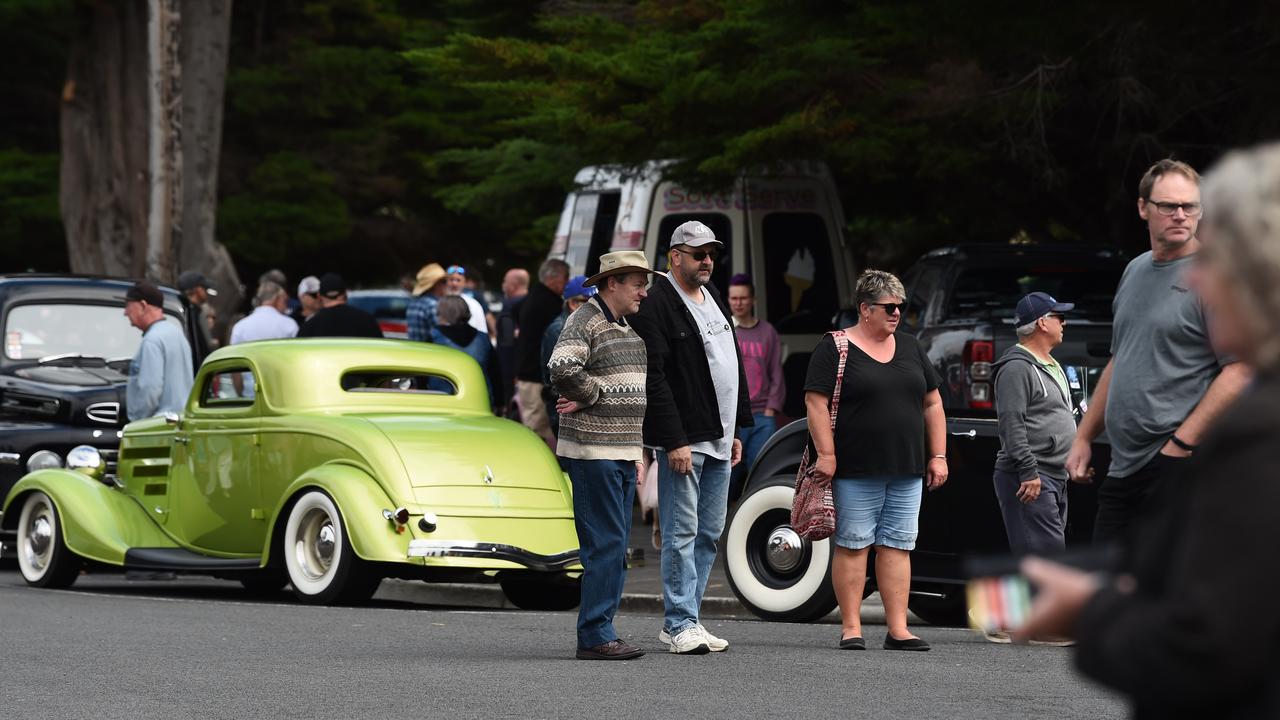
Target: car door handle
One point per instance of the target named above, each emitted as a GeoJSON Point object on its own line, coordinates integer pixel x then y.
{"type": "Point", "coordinates": [971, 433]}
{"type": "Point", "coordinates": [181, 439]}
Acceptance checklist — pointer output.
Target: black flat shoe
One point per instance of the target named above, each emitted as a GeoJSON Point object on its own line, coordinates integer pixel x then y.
{"type": "Point", "coordinates": [909, 644]}
{"type": "Point", "coordinates": [853, 643]}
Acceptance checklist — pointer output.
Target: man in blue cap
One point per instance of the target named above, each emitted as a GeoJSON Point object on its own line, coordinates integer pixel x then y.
{"type": "Point", "coordinates": [1037, 425]}
{"type": "Point", "coordinates": [575, 294]}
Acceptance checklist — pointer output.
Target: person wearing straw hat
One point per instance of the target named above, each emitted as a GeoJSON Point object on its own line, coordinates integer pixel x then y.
{"type": "Point", "coordinates": [420, 316]}
{"type": "Point", "coordinates": [598, 367]}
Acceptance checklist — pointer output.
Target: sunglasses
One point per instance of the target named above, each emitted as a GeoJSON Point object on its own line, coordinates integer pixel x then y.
{"type": "Point", "coordinates": [700, 255]}
{"type": "Point", "coordinates": [456, 270]}
{"type": "Point", "coordinates": [891, 308]}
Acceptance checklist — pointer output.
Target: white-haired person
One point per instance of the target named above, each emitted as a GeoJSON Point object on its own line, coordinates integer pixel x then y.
{"type": "Point", "coordinates": [1186, 626]}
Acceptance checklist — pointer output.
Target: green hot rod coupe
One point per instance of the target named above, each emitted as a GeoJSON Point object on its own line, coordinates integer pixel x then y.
{"type": "Point", "coordinates": [327, 464]}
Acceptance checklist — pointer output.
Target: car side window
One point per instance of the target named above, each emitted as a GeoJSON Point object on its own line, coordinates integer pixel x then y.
{"type": "Point", "coordinates": [392, 381]}
{"type": "Point", "coordinates": [229, 388]}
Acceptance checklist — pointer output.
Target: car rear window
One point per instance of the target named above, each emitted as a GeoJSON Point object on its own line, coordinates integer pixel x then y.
{"type": "Point", "coordinates": [397, 382]}
{"type": "Point", "coordinates": [993, 291]}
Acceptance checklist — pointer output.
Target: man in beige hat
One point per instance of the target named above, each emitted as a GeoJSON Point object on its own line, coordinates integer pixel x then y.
{"type": "Point", "coordinates": [598, 367]}
{"type": "Point", "coordinates": [427, 291]}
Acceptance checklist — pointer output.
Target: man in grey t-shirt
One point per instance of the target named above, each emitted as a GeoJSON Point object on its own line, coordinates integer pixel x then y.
{"type": "Point", "coordinates": [1164, 383]}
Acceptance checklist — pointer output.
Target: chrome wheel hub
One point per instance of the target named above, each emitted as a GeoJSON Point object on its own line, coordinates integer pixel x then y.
{"type": "Point", "coordinates": [315, 544]}
{"type": "Point", "coordinates": [784, 549]}
{"type": "Point", "coordinates": [40, 540]}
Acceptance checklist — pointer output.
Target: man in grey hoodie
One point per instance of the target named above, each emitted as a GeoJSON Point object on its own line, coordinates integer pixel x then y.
{"type": "Point", "coordinates": [1037, 426]}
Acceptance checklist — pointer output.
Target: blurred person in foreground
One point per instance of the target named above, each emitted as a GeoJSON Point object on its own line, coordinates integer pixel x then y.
{"type": "Point", "coordinates": [1186, 626]}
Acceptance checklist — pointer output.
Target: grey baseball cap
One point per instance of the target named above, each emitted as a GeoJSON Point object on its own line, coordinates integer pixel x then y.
{"type": "Point", "coordinates": [694, 234]}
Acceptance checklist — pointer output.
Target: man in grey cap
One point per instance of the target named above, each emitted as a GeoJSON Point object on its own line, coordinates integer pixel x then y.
{"type": "Point", "coordinates": [308, 299]}
{"type": "Point", "coordinates": [697, 400]}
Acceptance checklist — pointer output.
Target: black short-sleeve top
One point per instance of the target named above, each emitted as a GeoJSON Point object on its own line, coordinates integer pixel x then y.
{"type": "Point", "coordinates": [880, 423]}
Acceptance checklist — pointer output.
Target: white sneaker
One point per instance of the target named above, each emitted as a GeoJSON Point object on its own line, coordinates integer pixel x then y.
{"type": "Point", "coordinates": [714, 643]}
{"type": "Point", "coordinates": [689, 641]}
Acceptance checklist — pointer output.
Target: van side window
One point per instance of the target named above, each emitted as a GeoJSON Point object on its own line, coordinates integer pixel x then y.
{"type": "Point", "coordinates": [719, 225]}
{"type": "Point", "coordinates": [591, 231]}
{"type": "Point", "coordinates": [799, 273]}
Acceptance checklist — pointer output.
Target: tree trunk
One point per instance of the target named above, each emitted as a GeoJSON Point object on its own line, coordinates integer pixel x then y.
{"type": "Point", "coordinates": [206, 40]}
{"type": "Point", "coordinates": [103, 188]}
{"type": "Point", "coordinates": [141, 138]}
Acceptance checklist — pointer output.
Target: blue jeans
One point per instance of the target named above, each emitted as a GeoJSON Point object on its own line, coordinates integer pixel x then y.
{"type": "Point", "coordinates": [753, 438]}
{"type": "Point", "coordinates": [884, 511]}
{"type": "Point", "coordinates": [691, 510]}
{"type": "Point", "coordinates": [603, 492]}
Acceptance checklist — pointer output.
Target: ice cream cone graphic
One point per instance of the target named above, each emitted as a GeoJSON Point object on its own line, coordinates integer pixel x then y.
{"type": "Point", "coordinates": [799, 275]}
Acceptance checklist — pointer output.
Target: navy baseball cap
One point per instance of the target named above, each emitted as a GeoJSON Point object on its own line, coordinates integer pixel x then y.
{"type": "Point", "coordinates": [1036, 305]}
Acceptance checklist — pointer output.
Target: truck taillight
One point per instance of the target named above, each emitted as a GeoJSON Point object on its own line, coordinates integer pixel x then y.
{"type": "Point", "coordinates": [977, 357]}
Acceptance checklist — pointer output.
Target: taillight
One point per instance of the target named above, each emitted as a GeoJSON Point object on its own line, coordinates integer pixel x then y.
{"type": "Point", "coordinates": [977, 358]}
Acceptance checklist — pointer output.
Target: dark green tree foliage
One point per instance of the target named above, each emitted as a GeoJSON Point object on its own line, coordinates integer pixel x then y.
{"type": "Point", "coordinates": [33, 35]}
{"type": "Point", "coordinates": [944, 122]}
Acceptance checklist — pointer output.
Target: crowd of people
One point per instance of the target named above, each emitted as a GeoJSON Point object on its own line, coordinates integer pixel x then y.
{"type": "Point", "coordinates": [631, 366]}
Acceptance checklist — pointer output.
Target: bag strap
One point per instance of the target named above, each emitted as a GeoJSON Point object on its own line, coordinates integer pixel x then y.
{"type": "Point", "coordinates": [842, 346]}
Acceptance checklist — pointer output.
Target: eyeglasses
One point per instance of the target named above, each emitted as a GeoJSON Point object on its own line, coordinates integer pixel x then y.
{"type": "Point", "coordinates": [1169, 208]}
{"type": "Point", "coordinates": [891, 308]}
{"type": "Point", "coordinates": [456, 270]}
{"type": "Point", "coordinates": [1057, 316]}
{"type": "Point", "coordinates": [700, 255]}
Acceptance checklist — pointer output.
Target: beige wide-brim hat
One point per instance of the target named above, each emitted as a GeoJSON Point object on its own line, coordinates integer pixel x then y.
{"type": "Point", "coordinates": [428, 276]}
{"type": "Point", "coordinates": [619, 263]}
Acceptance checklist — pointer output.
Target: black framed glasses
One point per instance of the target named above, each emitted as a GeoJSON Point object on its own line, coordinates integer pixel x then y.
{"type": "Point", "coordinates": [1169, 208]}
{"type": "Point", "coordinates": [891, 308]}
{"type": "Point", "coordinates": [700, 254]}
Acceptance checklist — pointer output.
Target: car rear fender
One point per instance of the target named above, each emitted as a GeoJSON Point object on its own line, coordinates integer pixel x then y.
{"type": "Point", "coordinates": [98, 521]}
{"type": "Point", "coordinates": [360, 500]}
{"type": "Point", "coordinates": [780, 455]}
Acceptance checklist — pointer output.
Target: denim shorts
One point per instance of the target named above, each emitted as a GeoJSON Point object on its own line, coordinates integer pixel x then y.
{"type": "Point", "coordinates": [881, 510]}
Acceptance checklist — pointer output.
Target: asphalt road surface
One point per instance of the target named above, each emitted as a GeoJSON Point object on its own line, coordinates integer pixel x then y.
{"type": "Point", "coordinates": [197, 648]}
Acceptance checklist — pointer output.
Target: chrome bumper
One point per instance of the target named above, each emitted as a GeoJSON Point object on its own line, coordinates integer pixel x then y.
{"type": "Point", "coordinates": [492, 551]}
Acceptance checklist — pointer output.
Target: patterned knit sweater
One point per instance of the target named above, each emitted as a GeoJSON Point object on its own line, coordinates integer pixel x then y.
{"type": "Point", "coordinates": [600, 364]}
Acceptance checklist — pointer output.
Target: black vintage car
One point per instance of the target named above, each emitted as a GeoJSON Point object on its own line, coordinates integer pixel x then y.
{"type": "Point", "coordinates": [65, 360]}
{"type": "Point", "coordinates": [960, 306]}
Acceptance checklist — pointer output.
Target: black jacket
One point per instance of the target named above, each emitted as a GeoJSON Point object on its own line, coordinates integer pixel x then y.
{"type": "Point", "coordinates": [682, 407]}
{"type": "Point", "coordinates": [341, 321]}
{"type": "Point", "coordinates": [539, 308]}
{"type": "Point", "coordinates": [1198, 634]}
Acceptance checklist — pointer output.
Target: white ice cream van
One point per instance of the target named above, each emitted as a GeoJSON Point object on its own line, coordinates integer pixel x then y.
{"type": "Point", "coordinates": [784, 228]}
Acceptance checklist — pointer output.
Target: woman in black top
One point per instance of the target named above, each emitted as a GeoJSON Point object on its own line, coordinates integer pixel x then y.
{"type": "Point", "coordinates": [889, 404]}
{"type": "Point", "coordinates": [1187, 625]}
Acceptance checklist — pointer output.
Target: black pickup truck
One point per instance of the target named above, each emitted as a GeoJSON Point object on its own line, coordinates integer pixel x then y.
{"type": "Point", "coordinates": [960, 305]}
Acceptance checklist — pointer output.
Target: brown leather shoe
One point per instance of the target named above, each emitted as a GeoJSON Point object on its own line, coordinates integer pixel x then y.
{"type": "Point", "coordinates": [612, 650]}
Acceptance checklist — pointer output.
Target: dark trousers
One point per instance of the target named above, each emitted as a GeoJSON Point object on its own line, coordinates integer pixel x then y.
{"type": "Point", "coordinates": [1122, 500]}
{"type": "Point", "coordinates": [603, 492]}
{"type": "Point", "coordinates": [1039, 526]}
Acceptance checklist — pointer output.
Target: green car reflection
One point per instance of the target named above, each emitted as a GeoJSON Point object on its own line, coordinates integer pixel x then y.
{"type": "Point", "coordinates": [326, 464]}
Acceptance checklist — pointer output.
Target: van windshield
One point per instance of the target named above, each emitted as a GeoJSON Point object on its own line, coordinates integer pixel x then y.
{"type": "Point", "coordinates": [993, 291]}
